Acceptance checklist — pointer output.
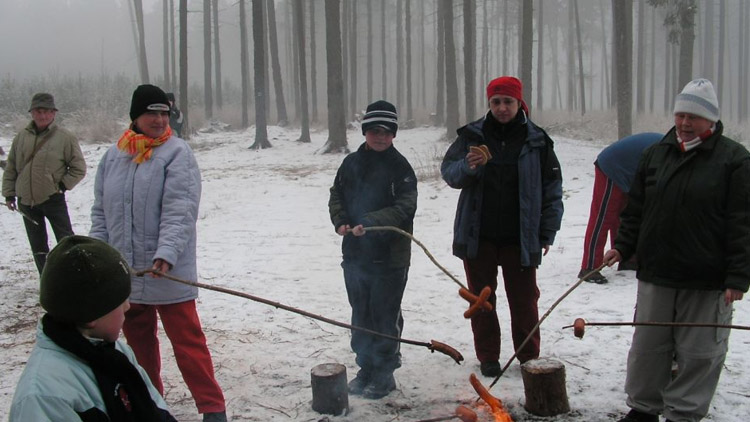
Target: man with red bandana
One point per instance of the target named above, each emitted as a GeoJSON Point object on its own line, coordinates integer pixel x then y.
{"type": "Point", "coordinates": [687, 223]}
{"type": "Point", "coordinates": [508, 214]}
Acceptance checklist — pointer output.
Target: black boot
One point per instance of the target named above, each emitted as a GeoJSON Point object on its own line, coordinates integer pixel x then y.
{"type": "Point", "coordinates": [382, 383]}
{"type": "Point", "coordinates": [358, 384]}
{"type": "Point", "coordinates": [637, 416]}
{"type": "Point", "coordinates": [490, 369]}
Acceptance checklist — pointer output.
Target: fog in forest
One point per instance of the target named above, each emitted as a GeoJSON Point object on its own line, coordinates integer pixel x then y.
{"type": "Point", "coordinates": [86, 53]}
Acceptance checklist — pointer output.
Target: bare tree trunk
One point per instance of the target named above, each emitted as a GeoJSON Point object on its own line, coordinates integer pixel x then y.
{"type": "Point", "coordinates": [540, 58]}
{"type": "Point", "coordinates": [743, 62]}
{"type": "Point", "coordinates": [572, 100]}
{"type": "Point", "coordinates": [505, 38]}
{"type": "Point", "coordinates": [451, 84]}
{"type": "Point", "coordinates": [370, 18]}
{"type": "Point", "coordinates": [422, 65]}
{"type": "Point", "coordinates": [259, 56]}
{"type": "Point", "coordinates": [184, 71]}
{"type": "Point", "coordinates": [142, 60]}
{"type": "Point", "coordinates": [605, 58]}
{"type": "Point", "coordinates": [440, 89]}
{"type": "Point", "coordinates": [640, 72]}
{"type": "Point", "coordinates": [293, 58]}
{"type": "Point", "coordinates": [217, 54]}
{"type": "Point", "coordinates": [527, 48]}
{"type": "Point", "coordinates": [299, 24]}
{"type": "Point", "coordinates": [283, 119]}
{"type": "Point", "coordinates": [580, 59]}
{"type": "Point", "coordinates": [165, 39]}
{"type": "Point", "coordinates": [336, 142]}
{"type": "Point", "coordinates": [623, 21]}
{"type": "Point", "coordinates": [313, 67]}
{"type": "Point", "coordinates": [652, 77]}
{"type": "Point", "coordinates": [208, 96]}
{"type": "Point", "coordinates": [554, 43]}
{"type": "Point", "coordinates": [383, 61]}
{"type": "Point", "coordinates": [687, 39]}
{"type": "Point", "coordinates": [668, 94]}
{"type": "Point", "coordinates": [346, 6]}
{"type": "Point", "coordinates": [722, 47]}
{"type": "Point", "coordinates": [173, 42]}
{"type": "Point", "coordinates": [353, 62]}
{"type": "Point", "coordinates": [470, 46]}
{"type": "Point", "coordinates": [708, 42]}
{"type": "Point", "coordinates": [409, 90]}
{"type": "Point", "coordinates": [399, 54]}
{"type": "Point", "coordinates": [244, 64]}
{"type": "Point", "coordinates": [485, 47]}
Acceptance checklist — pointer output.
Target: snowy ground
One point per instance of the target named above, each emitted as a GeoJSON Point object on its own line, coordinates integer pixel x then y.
{"type": "Point", "coordinates": [264, 230]}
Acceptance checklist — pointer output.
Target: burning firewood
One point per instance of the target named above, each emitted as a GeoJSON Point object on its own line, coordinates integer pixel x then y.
{"type": "Point", "coordinates": [498, 410]}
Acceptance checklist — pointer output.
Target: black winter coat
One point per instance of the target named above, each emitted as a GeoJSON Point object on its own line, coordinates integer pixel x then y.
{"type": "Point", "coordinates": [375, 189]}
{"type": "Point", "coordinates": [688, 215]}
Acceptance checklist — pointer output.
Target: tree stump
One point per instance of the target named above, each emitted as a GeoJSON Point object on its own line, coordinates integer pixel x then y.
{"type": "Point", "coordinates": [329, 389]}
{"type": "Point", "coordinates": [544, 385]}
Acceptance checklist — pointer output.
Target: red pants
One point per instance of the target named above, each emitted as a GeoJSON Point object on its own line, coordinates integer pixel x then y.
{"type": "Point", "coordinates": [604, 219]}
{"type": "Point", "coordinates": [181, 323]}
{"type": "Point", "coordinates": [522, 293]}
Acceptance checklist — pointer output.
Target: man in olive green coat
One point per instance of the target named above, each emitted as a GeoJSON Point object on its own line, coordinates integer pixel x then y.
{"type": "Point", "coordinates": [44, 161]}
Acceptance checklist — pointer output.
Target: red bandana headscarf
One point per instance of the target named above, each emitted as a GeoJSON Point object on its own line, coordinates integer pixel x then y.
{"type": "Point", "coordinates": [510, 86]}
{"type": "Point", "coordinates": [140, 145]}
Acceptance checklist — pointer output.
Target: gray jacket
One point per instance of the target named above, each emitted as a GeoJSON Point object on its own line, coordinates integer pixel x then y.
{"type": "Point", "coordinates": [149, 211]}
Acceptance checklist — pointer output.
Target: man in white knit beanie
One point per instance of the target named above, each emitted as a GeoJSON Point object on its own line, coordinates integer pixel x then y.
{"type": "Point", "coordinates": [688, 222]}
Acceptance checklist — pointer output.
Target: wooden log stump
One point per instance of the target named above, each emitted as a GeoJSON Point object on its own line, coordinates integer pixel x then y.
{"type": "Point", "coordinates": [329, 389]}
{"type": "Point", "coordinates": [544, 385]}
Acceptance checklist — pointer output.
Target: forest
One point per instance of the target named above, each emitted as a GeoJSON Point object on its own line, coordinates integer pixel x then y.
{"type": "Point", "coordinates": [322, 61]}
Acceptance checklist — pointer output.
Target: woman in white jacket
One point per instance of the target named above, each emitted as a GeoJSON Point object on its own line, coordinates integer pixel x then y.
{"type": "Point", "coordinates": [146, 198]}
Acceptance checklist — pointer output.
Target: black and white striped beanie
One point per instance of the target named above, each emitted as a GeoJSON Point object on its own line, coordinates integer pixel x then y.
{"type": "Point", "coordinates": [380, 113]}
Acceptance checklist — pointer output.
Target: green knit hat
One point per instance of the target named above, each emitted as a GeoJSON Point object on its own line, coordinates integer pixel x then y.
{"type": "Point", "coordinates": [83, 279]}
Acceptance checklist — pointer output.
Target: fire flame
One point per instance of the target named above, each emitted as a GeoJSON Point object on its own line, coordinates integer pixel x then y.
{"type": "Point", "coordinates": [498, 410]}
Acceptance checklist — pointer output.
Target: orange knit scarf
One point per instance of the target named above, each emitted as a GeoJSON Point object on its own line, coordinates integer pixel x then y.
{"type": "Point", "coordinates": [140, 145]}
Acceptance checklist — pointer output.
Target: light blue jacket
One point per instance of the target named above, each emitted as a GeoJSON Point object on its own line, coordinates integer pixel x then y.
{"type": "Point", "coordinates": [149, 211]}
{"type": "Point", "coordinates": [56, 385]}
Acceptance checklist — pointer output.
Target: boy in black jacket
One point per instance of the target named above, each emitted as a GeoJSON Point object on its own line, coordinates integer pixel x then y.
{"type": "Point", "coordinates": [375, 186]}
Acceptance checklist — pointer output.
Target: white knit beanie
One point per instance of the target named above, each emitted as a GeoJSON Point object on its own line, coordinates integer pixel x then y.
{"type": "Point", "coordinates": [699, 98]}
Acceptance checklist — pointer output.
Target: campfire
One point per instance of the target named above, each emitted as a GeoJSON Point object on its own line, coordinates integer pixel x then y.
{"type": "Point", "coordinates": [496, 406]}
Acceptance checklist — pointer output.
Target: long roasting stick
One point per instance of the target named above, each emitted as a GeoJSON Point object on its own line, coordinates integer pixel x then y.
{"type": "Point", "coordinates": [580, 324]}
{"type": "Point", "coordinates": [477, 302]}
{"type": "Point", "coordinates": [546, 314]}
{"type": "Point", "coordinates": [432, 345]}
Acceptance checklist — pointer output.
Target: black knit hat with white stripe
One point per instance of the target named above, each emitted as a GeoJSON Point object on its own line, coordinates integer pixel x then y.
{"type": "Point", "coordinates": [380, 114]}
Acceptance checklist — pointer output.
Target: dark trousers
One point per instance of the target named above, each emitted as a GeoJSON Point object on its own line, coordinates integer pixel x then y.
{"type": "Point", "coordinates": [522, 293]}
{"type": "Point", "coordinates": [375, 298]}
{"type": "Point", "coordinates": [607, 203]}
{"type": "Point", "coordinates": [56, 211]}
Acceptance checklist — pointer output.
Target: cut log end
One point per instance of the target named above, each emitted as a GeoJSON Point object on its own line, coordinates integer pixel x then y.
{"type": "Point", "coordinates": [329, 389]}
{"type": "Point", "coordinates": [544, 385]}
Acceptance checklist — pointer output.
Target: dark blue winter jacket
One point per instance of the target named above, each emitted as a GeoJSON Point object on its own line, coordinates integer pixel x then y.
{"type": "Point", "coordinates": [540, 191]}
